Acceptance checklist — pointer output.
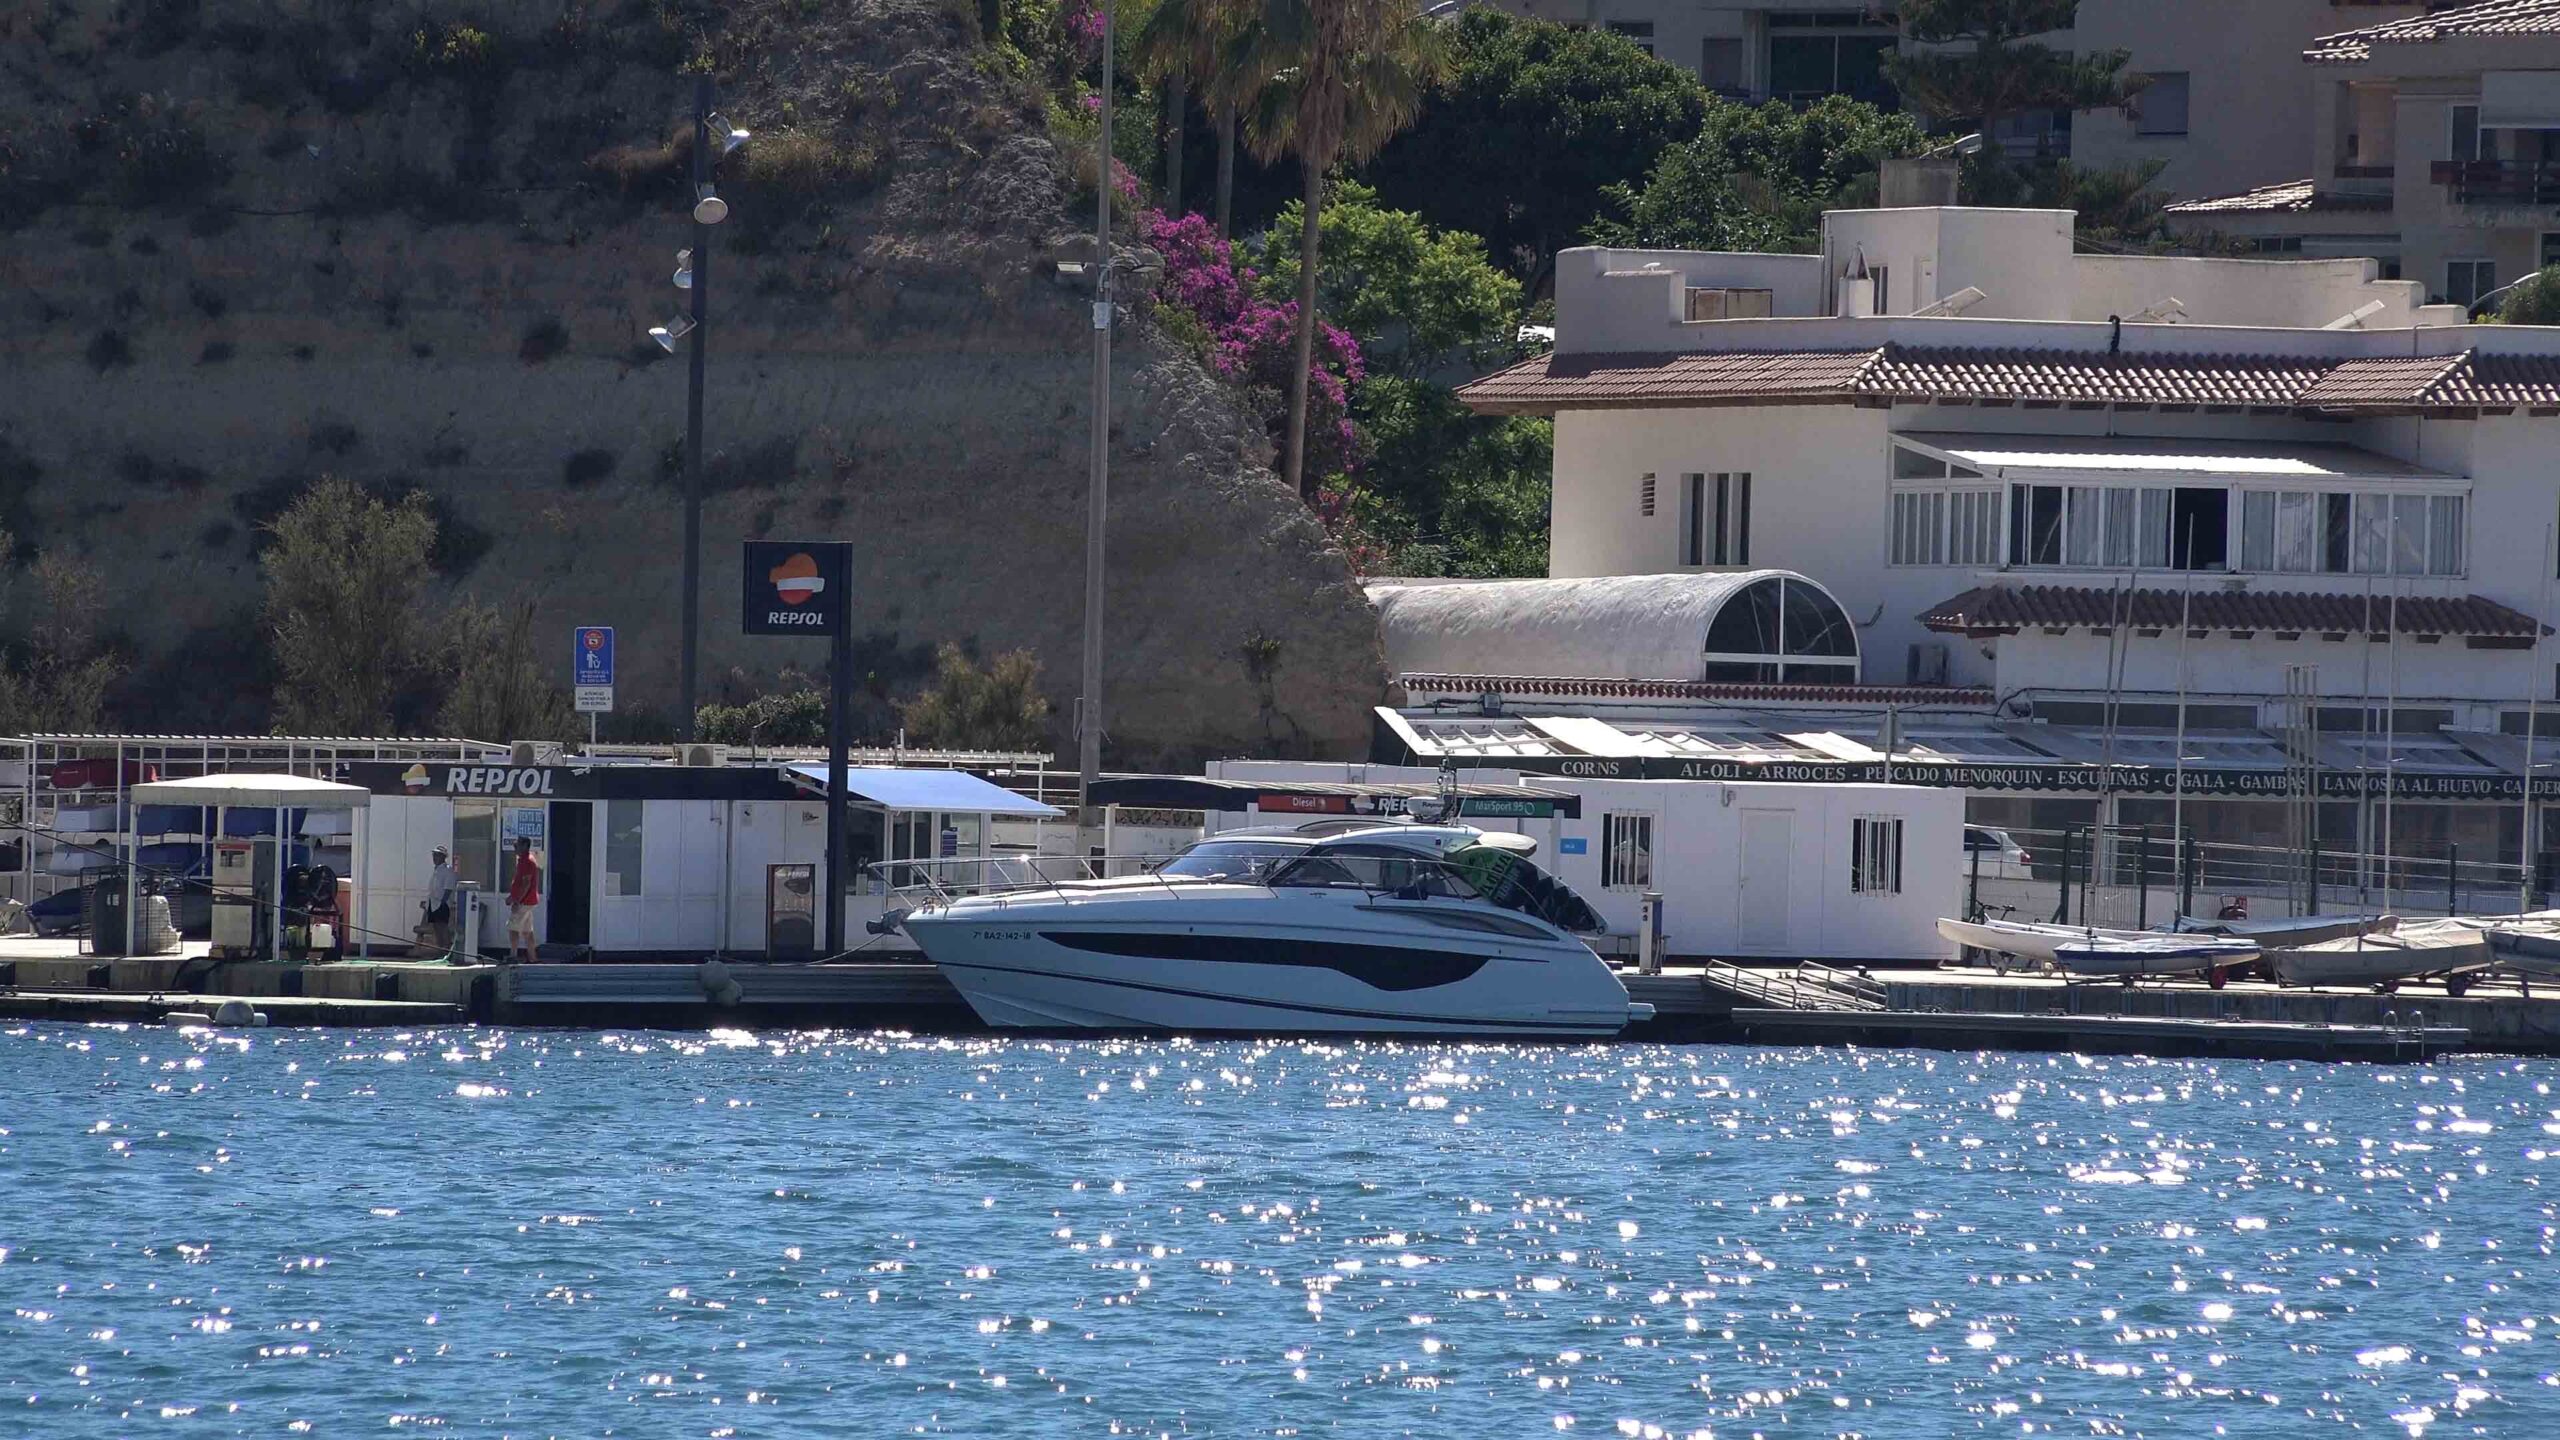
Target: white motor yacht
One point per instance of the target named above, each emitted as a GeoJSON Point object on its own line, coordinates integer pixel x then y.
{"type": "Point", "coordinates": [1388, 929]}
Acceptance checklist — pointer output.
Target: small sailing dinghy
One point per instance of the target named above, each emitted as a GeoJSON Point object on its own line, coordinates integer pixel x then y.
{"type": "Point", "coordinates": [2412, 950]}
{"type": "Point", "coordinates": [2098, 954]}
{"type": "Point", "coordinates": [2527, 945]}
{"type": "Point", "coordinates": [2285, 930]}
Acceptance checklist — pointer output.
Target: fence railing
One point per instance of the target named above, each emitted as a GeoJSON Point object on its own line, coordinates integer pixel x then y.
{"type": "Point", "coordinates": [2142, 875]}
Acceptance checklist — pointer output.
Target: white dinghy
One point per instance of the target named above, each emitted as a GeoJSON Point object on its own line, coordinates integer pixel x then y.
{"type": "Point", "coordinates": [2099, 954]}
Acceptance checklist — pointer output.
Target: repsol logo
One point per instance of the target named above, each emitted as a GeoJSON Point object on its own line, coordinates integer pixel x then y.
{"type": "Point", "coordinates": [495, 780]}
{"type": "Point", "coordinates": [805, 619]}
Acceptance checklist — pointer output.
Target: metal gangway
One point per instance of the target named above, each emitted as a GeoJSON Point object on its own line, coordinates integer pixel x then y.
{"type": "Point", "coordinates": [1811, 985]}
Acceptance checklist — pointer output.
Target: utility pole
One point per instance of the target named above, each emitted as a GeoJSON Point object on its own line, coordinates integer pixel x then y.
{"type": "Point", "coordinates": [1089, 703]}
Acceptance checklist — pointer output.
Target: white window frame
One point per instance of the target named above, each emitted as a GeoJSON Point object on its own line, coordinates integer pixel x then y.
{"type": "Point", "coordinates": [1626, 850]}
{"type": "Point", "coordinates": [1875, 855]}
{"type": "Point", "coordinates": [2375, 544]}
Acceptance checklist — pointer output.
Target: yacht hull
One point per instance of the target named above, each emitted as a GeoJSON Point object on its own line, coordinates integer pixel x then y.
{"type": "Point", "coordinates": [1253, 963]}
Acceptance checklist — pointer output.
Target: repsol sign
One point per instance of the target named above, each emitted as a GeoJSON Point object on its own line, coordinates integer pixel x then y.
{"type": "Point", "coordinates": [497, 780]}
{"type": "Point", "coordinates": [794, 587]}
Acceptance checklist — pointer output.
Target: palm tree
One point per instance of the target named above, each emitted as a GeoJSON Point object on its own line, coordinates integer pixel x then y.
{"type": "Point", "coordinates": [1329, 81]}
{"type": "Point", "coordinates": [1183, 42]}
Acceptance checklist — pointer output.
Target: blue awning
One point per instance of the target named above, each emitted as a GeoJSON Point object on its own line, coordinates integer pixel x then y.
{"type": "Point", "coordinates": [926, 790]}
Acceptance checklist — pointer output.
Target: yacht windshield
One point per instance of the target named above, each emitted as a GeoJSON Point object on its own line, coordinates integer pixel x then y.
{"type": "Point", "coordinates": [1231, 859]}
{"type": "Point", "coordinates": [1513, 883]}
{"type": "Point", "coordinates": [1386, 869]}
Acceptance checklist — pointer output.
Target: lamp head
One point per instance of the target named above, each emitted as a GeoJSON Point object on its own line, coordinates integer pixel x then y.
{"type": "Point", "coordinates": [709, 208]}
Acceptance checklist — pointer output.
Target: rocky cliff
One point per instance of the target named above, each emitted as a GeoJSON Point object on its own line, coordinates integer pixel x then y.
{"type": "Point", "coordinates": [419, 242]}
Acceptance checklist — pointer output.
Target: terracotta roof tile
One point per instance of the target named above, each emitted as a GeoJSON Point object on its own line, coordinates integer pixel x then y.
{"type": "Point", "coordinates": [2496, 17]}
{"type": "Point", "coordinates": [2401, 380]}
{"type": "Point", "coordinates": [2462, 381]}
{"type": "Point", "coordinates": [1918, 373]}
{"type": "Point", "coordinates": [1588, 688]}
{"type": "Point", "coordinates": [2287, 196]}
{"type": "Point", "coordinates": [2013, 607]}
{"type": "Point", "coordinates": [1601, 381]}
{"type": "Point", "coordinates": [2496, 380]}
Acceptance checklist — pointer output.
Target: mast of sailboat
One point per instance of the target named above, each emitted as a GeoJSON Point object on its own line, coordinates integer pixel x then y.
{"type": "Point", "coordinates": [2390, 743]}
{"type": "Point", "coordinates": [1098, 500]}
{"type": "Point", "coordinates": [2178, 776]}
{"type": "Point", "coordinates": [2532, 705]}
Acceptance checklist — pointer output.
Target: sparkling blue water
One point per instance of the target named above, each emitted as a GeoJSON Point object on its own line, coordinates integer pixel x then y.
{"type": "Point", "coordinates": [583, 1234]}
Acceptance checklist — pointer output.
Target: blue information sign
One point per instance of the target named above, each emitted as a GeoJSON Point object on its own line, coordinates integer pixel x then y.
{"type": "Point", "coordinates": [591, 655]}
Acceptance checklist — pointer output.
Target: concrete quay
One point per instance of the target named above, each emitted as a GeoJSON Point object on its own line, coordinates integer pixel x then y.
{"type": "Point", "coordinates": [1949, 1008]}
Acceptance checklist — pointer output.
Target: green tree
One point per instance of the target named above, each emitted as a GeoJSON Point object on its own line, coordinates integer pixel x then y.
{"type": "Point", "coordinates": [969, 707]}
{"type": "Point", "coordinates": [54, 678]}
{"type": "Point", "coordinates": [1758, 177]}
{"type": "Point", "coordinates": [2113, 207]}
{"type": "Point", "coordinates": [792, 716]}
{"type": "Point", "coordinates": [2535, 300]}
{"type": "Point", "coordinates": [345, 574]}
{"type": "Point", "coordinates": [1333, 81]}
{"type": "Point", "coordinates": [1183, 44]}
{"type": "Point", "coordinates": [1450, 492]}
{"type": "Point", "coordinates": [1415, 298]}
{"type": "Point", "coordinates": [495, 685]}
{"type": "Point", "coordinates": [1534, 123]}
{"type": "Point", "coordinates": [1980, 63]}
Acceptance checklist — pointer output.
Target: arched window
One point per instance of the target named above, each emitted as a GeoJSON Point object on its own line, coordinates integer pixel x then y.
{"type": "Point", "coordinates": [1781, 629]}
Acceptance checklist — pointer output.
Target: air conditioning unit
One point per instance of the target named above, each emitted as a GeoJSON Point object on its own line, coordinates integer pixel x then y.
{"type": "Point", "coordinates": [703, 756]}
{"type": "Point", "coordinates": [523, 753]}
{"type": "Point", "coordinates": [1927, 664]}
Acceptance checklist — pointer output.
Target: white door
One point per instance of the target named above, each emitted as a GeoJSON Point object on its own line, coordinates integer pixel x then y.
{"type": "Point", "coordinates": [1768, 850]}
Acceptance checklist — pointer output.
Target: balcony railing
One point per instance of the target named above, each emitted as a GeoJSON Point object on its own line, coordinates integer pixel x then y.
{"type": "Point", "coordinates": [2499, 182]}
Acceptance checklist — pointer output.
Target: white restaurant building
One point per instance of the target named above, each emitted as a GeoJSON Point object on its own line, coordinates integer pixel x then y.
{"type": "Point", "coordinates": [2011, 469]}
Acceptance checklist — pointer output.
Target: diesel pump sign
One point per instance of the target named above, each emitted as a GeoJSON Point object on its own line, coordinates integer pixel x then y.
{"type": "Point", "coordinates": [795, 587]}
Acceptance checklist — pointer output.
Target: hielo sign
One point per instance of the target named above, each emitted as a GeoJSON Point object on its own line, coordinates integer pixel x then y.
{"type": "Point", "coordinates": [795, 587]}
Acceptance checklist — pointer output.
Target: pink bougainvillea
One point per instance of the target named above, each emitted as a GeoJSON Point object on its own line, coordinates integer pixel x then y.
{"type": "Point", "coordinates": [1253, 341]}
{"type": "Point", "coordinates": [1083, 22]}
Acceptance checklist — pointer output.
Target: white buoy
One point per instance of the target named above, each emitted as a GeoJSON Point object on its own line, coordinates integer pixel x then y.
{"type": "Point", "coordinates": [237, 1015]}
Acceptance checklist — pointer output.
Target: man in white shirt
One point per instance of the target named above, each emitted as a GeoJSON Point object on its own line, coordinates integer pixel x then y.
{"type": "Point", "coordinates": [437, 931]}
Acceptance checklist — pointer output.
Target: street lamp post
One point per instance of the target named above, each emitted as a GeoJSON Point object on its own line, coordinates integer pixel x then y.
{"type": "Point", "coordinates": [700, 267]}
{"type": "Point", "coordinates": [693, 275]}
{"type": "Point", "coordinates": [1098, 499]}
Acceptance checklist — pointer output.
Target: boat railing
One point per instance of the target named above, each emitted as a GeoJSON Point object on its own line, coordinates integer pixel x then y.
{"type": "Point", "coordinates": [941, 880]}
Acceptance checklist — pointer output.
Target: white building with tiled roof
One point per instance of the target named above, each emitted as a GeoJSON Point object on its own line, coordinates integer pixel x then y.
{"type": "Point", "coordinates": [2434, 140]}
{"type": "Point", "coordinates": [2016, 469]}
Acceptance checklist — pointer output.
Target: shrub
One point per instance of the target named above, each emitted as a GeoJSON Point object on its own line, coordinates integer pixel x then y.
{"type": "Point", "coordinates": [585, 467]}
{"type": "Point", "coordinates": [453, 48]}
{"type": "Point", "coordinates": [966, 707]}
{"type": "Point", "coordinates": [109, 350]}
{"type": "Point", "coordinates": [345, 574]}
{"type": "Point", "coordinates": [2534, 301]}
{"type": "Point", "coordinates": [494, 685]}
{"type": "Point", "coordinates": [543, 339]}
{"type": "Point", "coordinates": [782, 717]}
{"type": "Point", "coordinates": [150, 150]}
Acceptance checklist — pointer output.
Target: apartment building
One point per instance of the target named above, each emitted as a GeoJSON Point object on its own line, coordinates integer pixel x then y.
{"type": "Point", "coordinates": [2223, 113]}
{"type": "Point", "coordinates": [1750, 50]}
{"type": "Point", "coordinates": [2054, 490]}
{"type": "Point", "coordinates": [2435, 147]}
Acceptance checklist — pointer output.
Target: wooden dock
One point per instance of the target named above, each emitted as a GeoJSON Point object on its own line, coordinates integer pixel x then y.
{"type": "Point", "coordinates": [109, 1007]}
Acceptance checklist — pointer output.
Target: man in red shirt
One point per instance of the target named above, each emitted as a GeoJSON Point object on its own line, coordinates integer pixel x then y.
{"type": "Point", "coordinates": [524, 892]}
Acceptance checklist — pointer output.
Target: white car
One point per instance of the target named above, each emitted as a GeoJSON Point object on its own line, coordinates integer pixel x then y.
{"type": "Point", "coordinates": [2002, 858]}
